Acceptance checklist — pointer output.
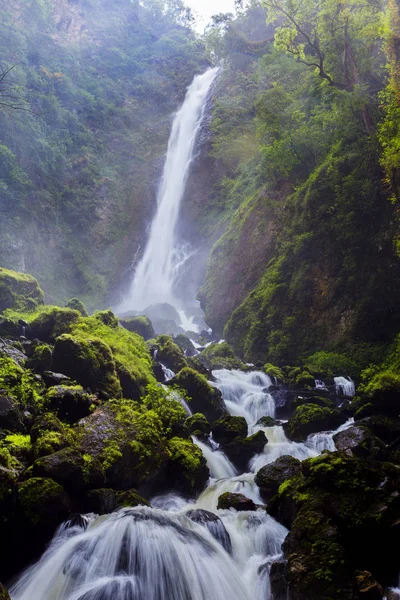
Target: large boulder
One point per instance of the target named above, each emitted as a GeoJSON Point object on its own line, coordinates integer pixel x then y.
{"type": "Point", "coordinates": [105, 500]}
{"type": "Point", "coordinates": [220, 355]}
{"type": "Point", "coordinates": [229, 428]}
{"type": "Point", "coordinates": [78, 305]}
{"type": "Point", "coordinates": [311, 418]}
{"type": "Point", "coordinates": [140, 325]}
{"type": "Point", "coordinates": [90, 362]}
{"type": "Point", "coordinates": [52, 322]}
{"type": "Point", "coordinates": [360, 442]}
{"type": "Point", "coordinates": [19, 291]}
{"type": "Point", "coordinates": [169, 353]}
{"type": "Point", "coordinates": [71, 469]}
{"type": "Point", "coordinates": [204, 397]}
{"type": "Point", "coordinates": [198, 425]}
{"type": "Point", "coordinates": [185, 344]}
{"type": "Point", "coordinates": [270, 477]}
{"type": "Point", "coordinates": [343, 518]}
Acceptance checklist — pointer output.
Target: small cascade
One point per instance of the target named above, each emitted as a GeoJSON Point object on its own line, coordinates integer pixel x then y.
{"type": "Point", "coordinates": [220, 466]}
{"type": "Point", "coordinates": [345, 386]}
{"type": "Point", "coordinates": [168, 373]}
{"type": "Point", "coordinates": [320, 385]}
{"type": "Point", "coordinates": [246, 394]}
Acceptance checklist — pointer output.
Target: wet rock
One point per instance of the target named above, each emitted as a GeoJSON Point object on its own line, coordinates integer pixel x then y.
{"type": "Point", "coordinates": [41, 358]}
{"type": "Point", "coordinates": [11, 350]}
{"type": "Point", "coordinates": [185, 344]}
{"type": "Point", "coordinates": [229, 428]}
{"type": "Point", "coordinates": [51, 323]}
{"type": "Point", "coordinates": [198, 425]}
{"type": "Point", "coordinates": [360, 442]}
{"type": "Point", "coordinates": [11, 417]}
{"type": "Point", "coordinates": [205, 399]}
{"type": "Point", "coordinates": [237, 501]}
{"type": "Point", "coordinates": [267, 422]}
{"type": "Point", "coordinates": [270, 477]}
{"type": "Point", "coordinates": [51, 378]}
{"type": "Point", "coordinates": [162, 311]}
{"type": "Point", "coordinates": [140, 325]}
{"type": "Point", "coordinates": [311, 418]}
{"type": "Point", "coordinates": [44, 423]}
{"type": "Point", "coordinates": [214, 524]}
{"type": "Point", "coordinates": [240, 452]}
{"type": "Point", "coordinates": [71, 403]}
{"type": "Point", "coordinates": [169, 353]}
{"type": "Point", "coordinates": [278, 581]}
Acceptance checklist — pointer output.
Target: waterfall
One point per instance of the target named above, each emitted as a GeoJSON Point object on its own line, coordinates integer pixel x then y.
{"type": "Point", "coordinates": [345, 386]}
{"type": "Point", "coordinates": [162, 259]}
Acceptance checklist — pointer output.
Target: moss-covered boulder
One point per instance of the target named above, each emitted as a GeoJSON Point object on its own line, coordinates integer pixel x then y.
{"type": "Point", "coordinates": [343, 517]}
{"type": "Point", "coordinates": [267, 422]}
{"type": "Point", "coordinates": [52, 322]}
{"type": "Point", "coordinates": [311, 418]}
{"type": "Point", "coordinates": [185, 344]}
{"type": "Point", "coordinates": [359, 441]}
{"type": "Point", "coordinates": [270, 477]}
{"type": "Point", "coordinates": [198, 425]}
{"type": "Point", "coordinates": [43, 423]}
{"type": "Point", "coordinates": [88, 361]}
{"type": "Point", "coordinates": [140, 325]}
{"type": "Point", "coordinates": [204, 397]}
{"type": "Point", "coordinates": [19, 291]}
{"type": "Point", "coordinates": [41, 358]}
{"type": "Point", "coordinates": [228, 428]}
{"type": "Point", "coordinates": [276, 373]}
{"type": "Point", "coordinates": [186, 467]}
{"type": "Point", "coordinates": [241, 451]}
{"type": "Point", "coordinates": [105, 500]}
{"type": "Point", "coordinates": [70, 403]}
{"type": "Point", "coordinates": [238, 502]}
{"type": "Point", "coordinates": [71, 469]}
{"type": "Point", "coordinates": [43, 503]}
{"type": "Point", "coordinates": [382, 393]}
{"type": "Point", "coordinates": [220, 355]}
{"type": "Point", "coordinates": [169, 353]}
{"type": "Point", "coordinates": [78, 305]}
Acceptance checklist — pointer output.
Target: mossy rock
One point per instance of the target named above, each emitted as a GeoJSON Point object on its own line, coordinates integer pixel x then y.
{"type": "Point", "coordinates": [52, 322]}
{"type": "Point", "coordinates": [78, 305]}
{"type": "Point", "coordinates": [140, 325]}
{"type": "Point", "coordinates": [267, 422]}
{"type": "Point", "coordinates": [90, 362]}
{"type": "Point", "coordinates": [107, 317]}
{"type": "Point", "coordinates": [305, 380]}
{"type": "Point", "coordinates": [105, 500]}
{"type": "Point", "coordinates": [238, 502]}
{"type": "Point", "coordinates": [228, 429]}
{"type": "Point", "coordinates": [317, 400]}
{"type": "Point", "coordinates": [311, 418]}
{"type": "Point", "coordinates": [270, 477]}
{"type": "Point", "coordinates": [70, 468]}
{"type": "Point", "coordinates": [169, 353]}
{"type": "Point", "coordinates": [360, 442]}
{"type": "Point", "coordinates": [42, 503]}
{"type": "Point", "coordinates": [43, 423]}
{"type": "Point", "coordinates": [204, 398]}
{"type": "Point", "coordinates": [185, 344]}
{"type": "Point", "coordinates": [11, 417]}
{"type": "Point", "coordinates": [274, 372]}
{"type": "Point", "coordinates": [383, 392]}
{"type": "Point", "coordinates": [70, 403]}
{"type": "Point", "coordinates": [197, 425]}
{"type": "Point", "coordinates": [241, 451]}
{"type": "Point", "coordinates": [220, 355]}
{"type": "Point", "coordinates": [9, 327]}
{"type": "Point", "coordinates": [19, 291]}
{"type": "Point", "coordinates": [41, 358]}
{"type": "Point", "coordinates": [187, 467]}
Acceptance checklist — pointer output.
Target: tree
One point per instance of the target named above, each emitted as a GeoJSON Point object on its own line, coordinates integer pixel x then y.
{"type": "Point", "coordinates": [338, 39]}
{"type": "Point", "coordinates": [10, 101]}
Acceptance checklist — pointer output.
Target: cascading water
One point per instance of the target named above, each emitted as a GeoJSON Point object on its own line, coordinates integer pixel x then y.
{"type": "Point", "coordinates": [180, 550]}
{"type": "Point", "coordinates": [345, 386]}
{"type": "Point", "coordinates": [156, 273]}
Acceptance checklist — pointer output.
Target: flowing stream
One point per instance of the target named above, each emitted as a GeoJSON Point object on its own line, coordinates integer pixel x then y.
{"type": "Point", "coordinates": [163, 257]}
{"type": "Point", "coordinates": [179, 549]}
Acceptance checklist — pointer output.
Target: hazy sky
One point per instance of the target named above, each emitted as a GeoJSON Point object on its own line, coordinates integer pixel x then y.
{"type": "Point", "coordinates": [206, 8]}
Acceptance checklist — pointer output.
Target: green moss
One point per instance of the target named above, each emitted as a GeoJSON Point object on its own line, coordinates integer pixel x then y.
{"type": "Point", "coordinates": [41, 359]}
{"type": "Point", "coordinates": [170, 353]}
{"type": "Point", "coordinates": [48, 443]}
{"type": "Point", "coordinates": [19, 383]}
{"type": "Point", "coordinates": [305, 379]}
{"type": "Point", "coordinates": [107, 317]}
{"type": "Point", "coordinates": [19, 291]}
{"type": "Point", "coordinates": [311, 418]}
{"type": "Point", "coordinates": [37, 495]}
{"type": "Point", "coordinates": [140, 325]}
{"type": "Point", "coordinates": [327, 364]}
{"type": "Point", "coordinates": [274, 371]}
{"type": "Point", "coordinates": [204, 398]}
{"type": "Point", "coordinates": [198, 424]}
{"type": "Point", "coordinates": [220, 356]}
{"type": "Point", "coordinates": [51, 322]}
{"type": "Point", "coordinates": [186, 456]}
{"type": "Point", "coordinates": [78, 305]}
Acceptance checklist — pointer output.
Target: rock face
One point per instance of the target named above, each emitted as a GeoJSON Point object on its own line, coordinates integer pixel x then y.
{"type": "Point", "coordinates": [19, 291]}
{"type": "Point", "coordinates": [237, 501]}
{"type": "Point", "coordinates": [343, 518]}
{"type": "Point", "coordinates": [270, 477]}
{"type": "Point", "coordinates": [140, 325]}
{"type": "Point", "coordinates": [360, 442]}
{"type": "Point", "coordinates": [205, 398]}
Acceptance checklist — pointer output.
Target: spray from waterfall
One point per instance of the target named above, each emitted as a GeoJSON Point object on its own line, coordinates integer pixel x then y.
{"type": "Point", "coordinates": [164, 257]}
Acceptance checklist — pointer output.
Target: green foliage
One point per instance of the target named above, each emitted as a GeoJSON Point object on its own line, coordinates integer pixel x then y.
{"type": "Point", "coordinates": [18, 383]}
{"type": "Point", "coordinates": [78, 305]}
{"type": "Point", "coordinates": [274, 371]}
{"type": "Point", "coordinates": [331, 364]}
{"type": "Point", "coordinates": [41, 358]}
{"type": "Point", "coordinates": [19, 291]}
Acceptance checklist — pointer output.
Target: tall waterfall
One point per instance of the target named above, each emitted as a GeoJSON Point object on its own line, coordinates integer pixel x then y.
{"type": "Point", "coordinates": [163, 256]}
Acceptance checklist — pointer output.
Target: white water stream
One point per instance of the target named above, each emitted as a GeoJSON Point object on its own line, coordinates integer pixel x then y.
{"type": "Point", "coordinates": [160, 553]}
{"type": "Point", "coordinates": [163, 257]}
